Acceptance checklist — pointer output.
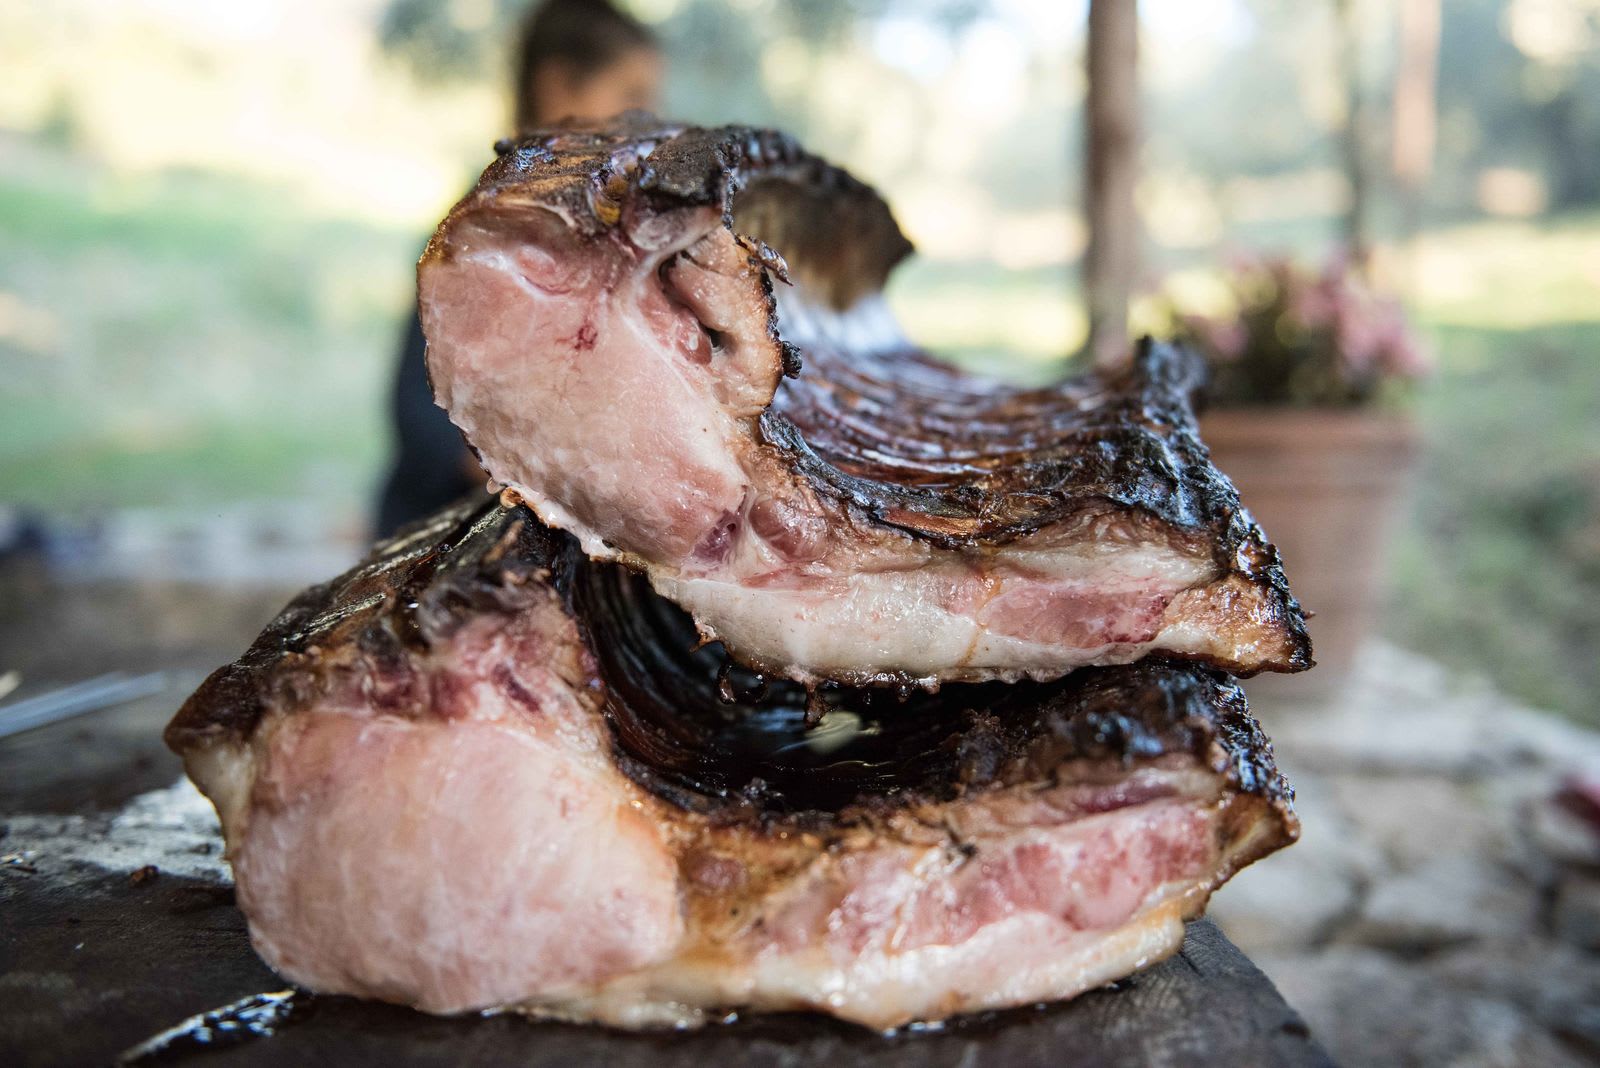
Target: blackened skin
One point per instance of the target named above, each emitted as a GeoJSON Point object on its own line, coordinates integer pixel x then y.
{"type": "Point", "coordinates": [709, 736]}
{"type": "Point", "coordinates": [900, 438]}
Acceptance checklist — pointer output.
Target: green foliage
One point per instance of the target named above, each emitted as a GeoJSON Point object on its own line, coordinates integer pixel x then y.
{"type": "Point", "coordinates": [442, 40]}
{"type": "Point", "coordinates": [61, 125]}
{"type": "Point", "coordinates": [1499, 570]}
{"type": "Point", "coordinates": [1500, 105]}
{"type": "Point", "coordinates": [1292, 336]}
{"type": "Point", "coordinates": [446, 40]}
{"type": "Point", "coordinates": [203, 338]}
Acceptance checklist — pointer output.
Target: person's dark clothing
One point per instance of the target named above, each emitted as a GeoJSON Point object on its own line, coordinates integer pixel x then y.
{"type": "Point", "coordinates": [428, 472]}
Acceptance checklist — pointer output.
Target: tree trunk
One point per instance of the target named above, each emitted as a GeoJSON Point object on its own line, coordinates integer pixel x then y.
{"type": "Point", "coordinates": [1354, 139]}
{"type": "Point", "coordinates": [1415, 106]}
{"type": "Point", "coordinates": [1112, 152]}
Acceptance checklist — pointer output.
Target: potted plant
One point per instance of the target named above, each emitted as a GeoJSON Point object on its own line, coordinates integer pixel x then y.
{"type": "Point", "coordinates": [1309, 369]}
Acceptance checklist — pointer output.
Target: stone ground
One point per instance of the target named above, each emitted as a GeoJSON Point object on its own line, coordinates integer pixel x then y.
{"type": "Point", "coordinates": [1441, 908]}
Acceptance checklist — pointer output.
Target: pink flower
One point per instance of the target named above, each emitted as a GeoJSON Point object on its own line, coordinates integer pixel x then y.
{"type": "Point", "coordinates": [1225, 338]}
{"type": "Point", "coordinates": [1322, 328]}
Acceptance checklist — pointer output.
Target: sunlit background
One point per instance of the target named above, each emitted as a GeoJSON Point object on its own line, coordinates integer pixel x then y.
{"type": "Point", "coordinates": [209, 218]}
{"type": "Point", "coordinates": [209, 214]}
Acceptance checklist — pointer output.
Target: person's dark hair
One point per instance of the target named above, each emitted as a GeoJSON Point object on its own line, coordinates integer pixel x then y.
{"type": "Point", "coordinates": [586, 35]}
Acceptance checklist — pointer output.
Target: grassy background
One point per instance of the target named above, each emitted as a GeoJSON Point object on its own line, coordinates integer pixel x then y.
{"type": "Point", "coordinates": [174, 339]}
{"type": "Point", "coordinates": [188, 340]}
{"type": "Point", "coordinates": [1499, 567]}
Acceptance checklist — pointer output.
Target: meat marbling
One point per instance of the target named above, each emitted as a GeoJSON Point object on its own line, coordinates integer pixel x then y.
{"type": "Point", "coordinates": [610, 325]}
{"type": "Point", "coordinates": [481, 770]}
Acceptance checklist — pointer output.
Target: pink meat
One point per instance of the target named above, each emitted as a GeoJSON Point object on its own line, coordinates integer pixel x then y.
{"type": "Point", "coordinates": [426, 800]}
{"type": "Point", "coordinates": [616, 354]}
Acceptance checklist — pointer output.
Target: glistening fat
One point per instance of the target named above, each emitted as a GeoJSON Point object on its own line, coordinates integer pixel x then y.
{"type": "Point", "coordinates": [481, 770]}
{"type": "Point", "coordinates": [611, 316]}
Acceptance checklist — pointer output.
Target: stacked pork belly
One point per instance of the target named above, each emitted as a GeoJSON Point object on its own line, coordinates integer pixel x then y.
{"type": "Point", "coordinates": [793, 668]}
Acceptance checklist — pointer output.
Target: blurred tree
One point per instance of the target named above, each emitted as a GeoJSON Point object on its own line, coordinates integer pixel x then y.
{"type": "Point", "coordinates": [1415, 106]}
{"type": "Point", "coordinates": [1265, 101]}
{"type": "Point", "coordinates": [1112, 160]}
{"type": "Point", "coordinates": [61, 125]}
{"type": "Point", "coordinates": [1353, 140]}
{"type": "Point", "coordinates": [1560, 40]}
{"type": "Point", "coordinates": [446, 40]}
{"type": "Point", "coordinates": [714, 45]}
{"type": "Point", "coordinates": [1519, 85]}
{"type": "Point", "coordinates": [452, 39]}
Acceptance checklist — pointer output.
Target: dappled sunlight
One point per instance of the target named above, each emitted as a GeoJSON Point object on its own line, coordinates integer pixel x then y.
{"type": "Point", "coordinates": [1510, 274]}
{"type": "Point", "coordinates": [299, 95]}
{"type": "Point", "coordinates": [1029, 321]}
{"type": "Point", "coordinates": [1370, 232]}
{"type": "Point", "coordinates": [29, 327]}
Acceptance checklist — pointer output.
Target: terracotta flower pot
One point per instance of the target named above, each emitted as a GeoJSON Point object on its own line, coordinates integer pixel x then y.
{"type": "Point", "coordinates": [1327, 486]}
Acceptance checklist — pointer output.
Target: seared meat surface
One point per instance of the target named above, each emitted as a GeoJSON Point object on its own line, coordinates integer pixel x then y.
{"type": "Point", "coordinates": [482, 770]}
{"type": "Point", "coordinates": [672, 344]}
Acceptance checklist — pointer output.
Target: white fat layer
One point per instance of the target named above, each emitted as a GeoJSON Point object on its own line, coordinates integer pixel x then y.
{"type": "Point", "coordinates": [1109, 562]}
{"type": "Point", "coordinates": [225, 773]}
{"type": "Point", "coordinates": [1020, 959]}
{"type": "Point", "coordinates": [1017, 961]}
{"type": "Point", "coordinates": [893, 620]}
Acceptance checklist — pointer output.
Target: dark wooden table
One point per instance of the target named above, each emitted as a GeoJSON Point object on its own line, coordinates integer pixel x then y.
{"type": "Point", "coordinates": [97, 956]}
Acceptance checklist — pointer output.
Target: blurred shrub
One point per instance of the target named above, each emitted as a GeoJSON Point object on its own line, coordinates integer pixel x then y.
{"type": "Point", "coordinates": [1291, 335]}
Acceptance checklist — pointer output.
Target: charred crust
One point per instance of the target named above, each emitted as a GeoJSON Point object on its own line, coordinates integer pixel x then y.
{"type": "Point", "coordinates": [1127, 439]}
{"type": "Point", "coordinates": [879, 749]}
{"type": "Point", "coordinates": [793, 359]}
{"type": "Point", "coordinates": [752, 761]}
{"type": "Point", "coordinates": [412, 590]}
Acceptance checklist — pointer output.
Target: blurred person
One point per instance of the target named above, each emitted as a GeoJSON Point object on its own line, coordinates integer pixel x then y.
{"type": "Point", "coordinates": [576, 59]}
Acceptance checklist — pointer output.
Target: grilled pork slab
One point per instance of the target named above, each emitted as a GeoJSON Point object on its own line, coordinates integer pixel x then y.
{"type": "Point", "coordinates": [480, 770]}
{"type": "Point", "coordinates": [611, 323]}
